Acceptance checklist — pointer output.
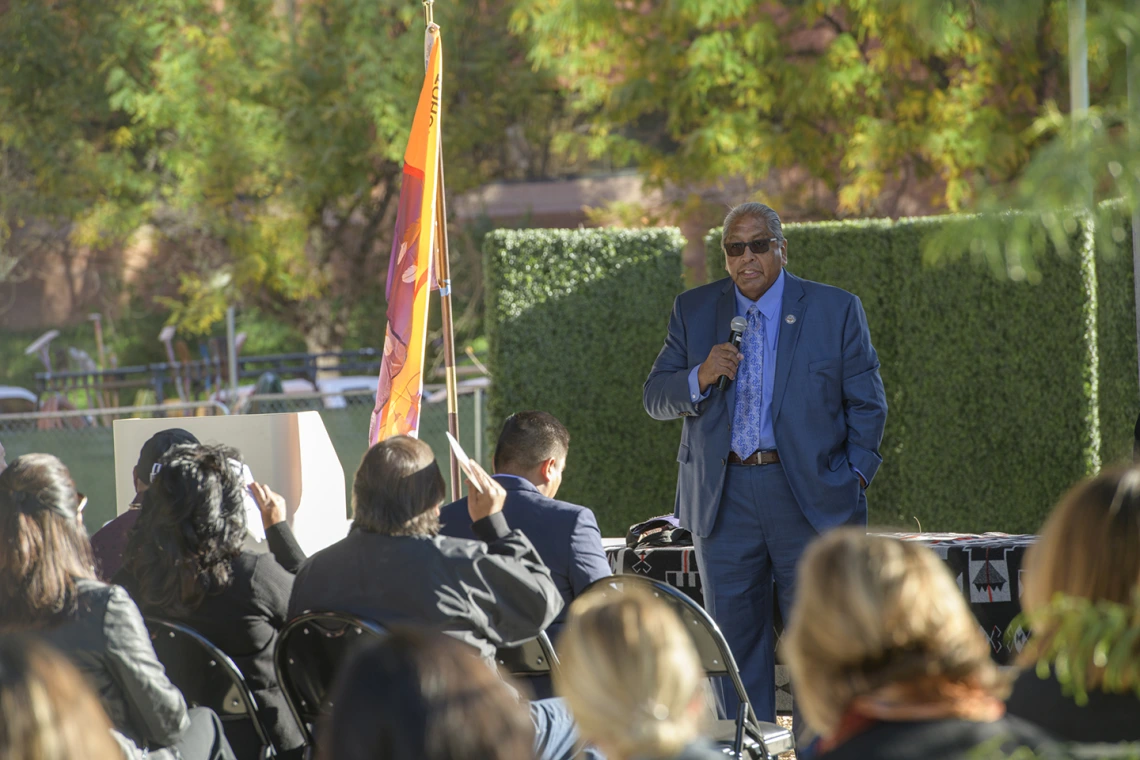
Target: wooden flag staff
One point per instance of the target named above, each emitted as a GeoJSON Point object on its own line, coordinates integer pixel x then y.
{"type": "Point", "coordinates": [443, 277]}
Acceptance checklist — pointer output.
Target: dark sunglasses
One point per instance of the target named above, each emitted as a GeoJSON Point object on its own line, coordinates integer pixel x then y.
{"type": "Point", "coordinates": [756, 246]}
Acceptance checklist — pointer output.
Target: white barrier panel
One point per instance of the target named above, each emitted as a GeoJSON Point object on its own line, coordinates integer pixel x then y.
{"type": "Point", "coordinates": [291, 453]}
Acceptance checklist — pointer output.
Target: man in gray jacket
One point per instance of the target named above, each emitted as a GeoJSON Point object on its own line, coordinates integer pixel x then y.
{"type": "Point", "coordinates": [395, 569]}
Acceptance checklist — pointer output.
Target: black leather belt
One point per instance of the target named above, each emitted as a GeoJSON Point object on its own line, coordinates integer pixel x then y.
{"type": "Point", "coordinates": [757, 457]}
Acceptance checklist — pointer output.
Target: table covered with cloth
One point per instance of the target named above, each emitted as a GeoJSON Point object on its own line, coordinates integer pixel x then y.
{"type": "Point", "coordinates": [986, 566]}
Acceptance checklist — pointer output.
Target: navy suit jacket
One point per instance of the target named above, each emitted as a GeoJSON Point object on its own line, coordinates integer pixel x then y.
{"type": "Point", "coordinates": [566, 535]}
{"type": "Point", "coordinates": [828, 405]}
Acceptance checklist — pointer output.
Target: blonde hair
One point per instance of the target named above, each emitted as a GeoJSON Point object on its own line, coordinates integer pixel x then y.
{"type": "Point", "coordinates": [630, 674]}
{"type": "Point", "coordinates": [47, 710]}
{"type": "Point", "coordinates": [872, 612]}
{"type": "Point", "coordinates": [1089, 546]}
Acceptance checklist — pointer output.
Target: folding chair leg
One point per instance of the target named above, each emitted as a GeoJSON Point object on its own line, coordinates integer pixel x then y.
{"type": "Point", "coordinates": [738, 741]}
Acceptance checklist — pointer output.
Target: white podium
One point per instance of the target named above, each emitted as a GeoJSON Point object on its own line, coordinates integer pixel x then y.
{"type": "Point", "coordinates": [291, 453]}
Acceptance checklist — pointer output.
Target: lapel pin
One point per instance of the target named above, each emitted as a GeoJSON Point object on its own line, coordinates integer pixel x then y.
{"type": "Point", "coordinates": [790, 319]}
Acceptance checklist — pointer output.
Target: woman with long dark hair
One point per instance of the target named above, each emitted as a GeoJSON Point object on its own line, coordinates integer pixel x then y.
{"type": "Point", "coordinates": [48, 586]}
{"type": "Point", "coordinates": [185, 561]}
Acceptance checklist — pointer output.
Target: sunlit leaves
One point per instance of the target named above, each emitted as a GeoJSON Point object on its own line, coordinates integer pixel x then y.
{"type": "Point", "coordinates": [861, 93]}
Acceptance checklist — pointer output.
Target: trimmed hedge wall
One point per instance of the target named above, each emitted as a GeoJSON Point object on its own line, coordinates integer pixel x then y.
{"type": "Point", "coordinates": [1116, 341]}
{"type": "Point", "coordinates": [575, 319]}
{"type": "Point", "coordinates": [1002, 394]}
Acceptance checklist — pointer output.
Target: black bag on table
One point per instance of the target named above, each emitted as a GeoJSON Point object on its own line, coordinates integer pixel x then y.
{"type": "Point", "coordinates": [658, 531]}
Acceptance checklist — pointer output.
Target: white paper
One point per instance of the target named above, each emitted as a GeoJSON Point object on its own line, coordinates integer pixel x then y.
{"type": "Point", "coordinates": [253, 522]}
{"type": "Point", "coordinates": [463, 459]}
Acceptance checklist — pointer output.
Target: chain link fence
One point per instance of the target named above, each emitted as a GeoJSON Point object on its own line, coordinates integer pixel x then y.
{"type": "Point", "coordinates": [83, 440]}
{"type": "Point", "coordinates": [347, 414]}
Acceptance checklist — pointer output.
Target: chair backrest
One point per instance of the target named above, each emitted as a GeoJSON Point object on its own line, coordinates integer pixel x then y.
{"type": "Point", "coordinates": [205, 675]}
{"type": "Point", "coordinates": [716, 657]}
{"type": "Point", "coordinates": [310, 650]}
{"type": "Point", "coordinates": [531, 659]}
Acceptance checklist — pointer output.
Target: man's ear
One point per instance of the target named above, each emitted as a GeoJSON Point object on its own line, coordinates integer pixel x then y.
{"type": "Point", "coordinates": [545, 468]}
{"type": "Point", "coordinates": [784, 252]}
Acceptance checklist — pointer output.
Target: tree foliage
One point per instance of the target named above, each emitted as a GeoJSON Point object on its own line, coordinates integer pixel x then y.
{"type": "Point", "coordinates": [1079, 160]}
{"type": "Point", "coordinates": [262, 140]}
{"type": "Point", "coordinates": [704, 90]}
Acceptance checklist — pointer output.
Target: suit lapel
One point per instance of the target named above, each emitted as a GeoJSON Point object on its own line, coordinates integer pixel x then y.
{"type": "Point", "coordinates": [794, 307]}
{"type": "Point", "coordinates": [725, 311]}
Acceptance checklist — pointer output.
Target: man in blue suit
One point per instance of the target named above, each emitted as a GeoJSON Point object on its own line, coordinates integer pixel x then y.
{"type": "Point", "coordinates": [785, 451]}
{"type": "Point", "coordinates": [529, 461]}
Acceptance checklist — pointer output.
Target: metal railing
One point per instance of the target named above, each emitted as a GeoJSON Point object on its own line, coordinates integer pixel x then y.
{"type": "Point", "coordinates": [92, 417]}
{"type": "Point", "coordinates": [207, 375]}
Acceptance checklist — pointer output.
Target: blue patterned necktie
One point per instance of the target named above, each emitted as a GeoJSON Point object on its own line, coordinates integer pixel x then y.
{"type": "Point", "coordinates": [749, 388]}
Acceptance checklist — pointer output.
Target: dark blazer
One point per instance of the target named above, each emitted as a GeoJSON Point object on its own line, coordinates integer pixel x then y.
{"type": "Point", "coordinates": [488, 593]}
{"type": "Point", "coordinates": [243, 621]}
{"type": "Point", "coordinates": [565, 535]}
{"type": "Point", "coordinates": [949, 739]}
{"type": "Point", "coordinates": [1106, 717]}
{"type": "Point", "coordinates": [828, 404]}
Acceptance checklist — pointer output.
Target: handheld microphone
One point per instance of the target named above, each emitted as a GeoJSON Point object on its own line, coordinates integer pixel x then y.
{"type": "Point", "coordinates": [738, 325]}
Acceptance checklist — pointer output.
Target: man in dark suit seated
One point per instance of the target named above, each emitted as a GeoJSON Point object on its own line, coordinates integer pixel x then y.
{"type": "Point", "coordinates": [530, 459]}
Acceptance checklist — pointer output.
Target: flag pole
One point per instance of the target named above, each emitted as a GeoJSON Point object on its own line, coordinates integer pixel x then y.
{"type": "Point", "coordinates": [443, 267]}
{"type": "Point", "coordinates": [443, 277]}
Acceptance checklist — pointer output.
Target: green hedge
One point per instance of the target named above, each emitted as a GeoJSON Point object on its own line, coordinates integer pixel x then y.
{"type": "Point", "coordinates": [994, 411]}
{"type": "Point", "coordinates": [1002, 394]}
{"type": "Point", "coordinates": [1116, 333]}
{"type": "Point", "coordinates": [575, 319]}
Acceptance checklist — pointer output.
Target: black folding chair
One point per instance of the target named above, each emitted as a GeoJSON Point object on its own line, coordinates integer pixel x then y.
{"type": "Point", "coordinates": [744, 735]}
{"type": "Point", "coordinates": [207, 677]}
{"type": "Point", "coordinates": [310, 650]}
{"type": "Point", "coordinates": [533, 662]}
{"type": "Point", "coordinates": [534, 658]}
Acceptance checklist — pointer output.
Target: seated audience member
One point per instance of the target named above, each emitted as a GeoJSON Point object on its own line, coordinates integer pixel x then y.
{"type": "Point", "coordinates": [632, 678]}
{"type": "Point", "coordinates": [185, 562]}
{"type": "Point", "coordinates": [48, 585]}
{"type": "Point", "coordinates": [394, 568]}
{"type": "Point", "coordinates": [423, 696]}
{"type": "Point", "coordinates": [530, 459]}
{"type": "Point", "coordinates": [110, 541]}
{"type": "Point", "coordinates": [887, 661]}
{"type": "Point", "coordinates": [47, 710]}
{"type": "Point", "coordinates": [1084, 568]}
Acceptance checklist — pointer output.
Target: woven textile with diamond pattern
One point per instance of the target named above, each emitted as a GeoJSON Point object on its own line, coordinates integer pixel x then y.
{"type": "Point", "coordinates": [986, 566]}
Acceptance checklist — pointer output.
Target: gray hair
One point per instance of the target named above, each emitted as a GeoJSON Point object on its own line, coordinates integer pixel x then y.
{"type": "Point", "coordinates": [753, 210]}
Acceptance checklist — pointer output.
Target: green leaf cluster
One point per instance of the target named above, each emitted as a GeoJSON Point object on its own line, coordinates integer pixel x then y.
{"type": "Point", "coordinates": [1086, 644]}
{"type": "Point", "coordinates": [575, 319]}
{"type": "Point", "coordinates": [848, 93]}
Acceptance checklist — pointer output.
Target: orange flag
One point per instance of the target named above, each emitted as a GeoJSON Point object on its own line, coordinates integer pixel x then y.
{"type": "Point", "coordinates": [410, 269]}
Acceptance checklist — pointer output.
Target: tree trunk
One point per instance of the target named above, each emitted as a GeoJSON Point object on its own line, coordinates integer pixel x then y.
{"type": "Point", "coordinates": [325, 334]}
